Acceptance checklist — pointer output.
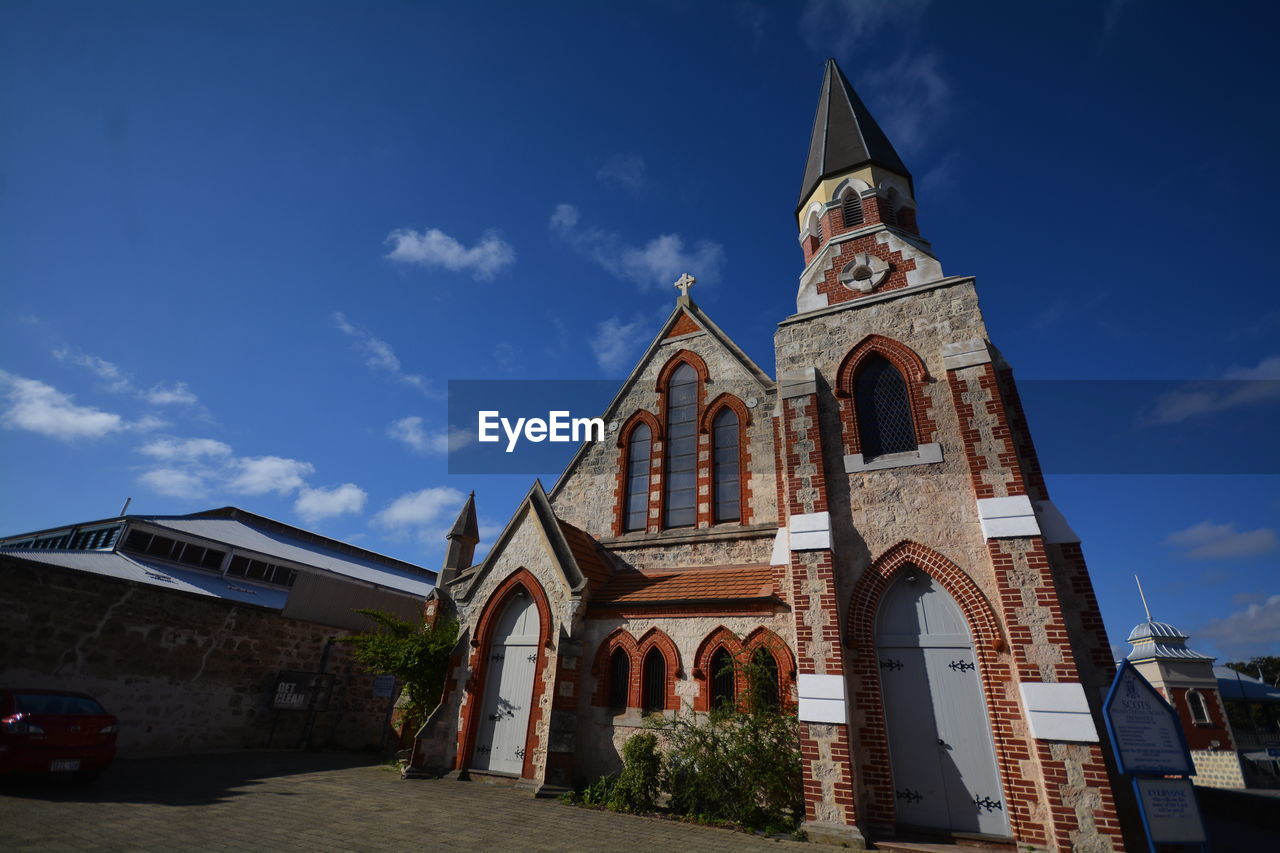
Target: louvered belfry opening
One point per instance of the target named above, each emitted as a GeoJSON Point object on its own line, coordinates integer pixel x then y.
{"type": "Point", "coordinates": [619, 678]}
{"type": "Point", "coordinates": [653, 687]}
{"type": "Point", "coordinates": [722, 675]}
{"type": "Point", "coordinates": [724, 429]}
{"type": "Point", "coordinates": [638, 450]}
{"type": "Point", "coordinates": [884, 409]}
{"type": "Point", "coordinates": [852, 210]}
{"type": "Point", "coordinates": [682, 448]}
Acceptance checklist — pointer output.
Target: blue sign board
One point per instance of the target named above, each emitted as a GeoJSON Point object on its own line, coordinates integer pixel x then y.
{"type": "Point", "coordinates": [1144, 728]}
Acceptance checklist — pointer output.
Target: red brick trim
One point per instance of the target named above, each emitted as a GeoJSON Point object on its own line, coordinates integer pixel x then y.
{"type": "Point", "coordinates": [695, 361]}
{"type": "Point", "coordinates": [656, 638]}
{"type": "Point", "coordinates": [640, 416]}
{"type": "Point", "coordinates": [721, 637]}
{"type": "Point", "coordinates": [619, 639]}
{"type": "Point", "coordinates": [977, 439]}
{"type": "Point", "coordinates": [994, 670]}
{"type": "Point", "coordinates": [481, 644]}
{"type": "Point", "coordinates": [914, 374]}
{"type": "Point", "coordinates": [763, 638]}
{"type": "Point", "coordinates": [684, 356]}
{"type": "Point", "coordinates": [685, 325]}
{"type": "Point", "coordinates": [725, 400]}
{"type": "Point", "coordinates": [706, 474]}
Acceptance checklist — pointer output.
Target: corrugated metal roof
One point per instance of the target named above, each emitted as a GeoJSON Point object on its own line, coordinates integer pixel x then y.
{"type": "Point", "coordinates": [1145, 630]}
{"type": "Point", "coordinates": [115, 565]}
{"type": "Point", "coordinates": [237, 534]}
{"type": "Point", "coordinates": [1237, 685]}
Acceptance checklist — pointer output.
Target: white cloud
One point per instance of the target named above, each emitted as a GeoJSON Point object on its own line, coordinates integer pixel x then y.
{"type": "Point", "coordinates": [175, 482]}
{"type": "Point", "coordinates": [912, 99]}
{"type": "Point", "coordinates": [616, 344]}
{"type": "Point", "coordinates": [1254, 630]}
{"type": "Point", "coordinates": [623, 170]}
{"type": "Point", "coordinates": [380, 356]}
{"type": "Point", "coordinates": [410, 430]}
{"type": "Point", "coordinates": [314, 505]}
{"type": "Point", "coordinates": [839, 26]}
{"type": "Point", "coordinates": [259, 475]}
{"type": "Point", "coordinates": [175, 394]}
{"type": "Point", "coordinates": [1207, 541]}
{"type": "Point", "coordinates": [434, 248]}
{"type": "Point", "coordinates": [420, 509]}
{"type": "Point", "coordinates": [118, 381]}
{"type": "Point", "coordinates": [1243, 386]}
{"type": "Point", "coordinates": [656, 264]}
{"type": "Point", "coordinates": [185, 449]}
{"type": "Point", "coordinates": [40, 408]}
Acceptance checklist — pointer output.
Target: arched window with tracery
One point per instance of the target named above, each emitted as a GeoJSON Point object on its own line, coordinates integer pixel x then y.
{"type": "Point", "coordinates": [723, 686]}
{"type": "Point", "coordinates": [639, 449]}
{"type": "Point", "coordinates": [681, 482]}
{"type": "Point", "coordinates": [619, 678]}
{"type": "Point", "coordinates": [883, 409]}
{"type": "Point", "coordinates": [726, 459]}
{"type": "Point", "coordinates": [653, 686]}
{"type": "Point", "coordinates": [765, 679]}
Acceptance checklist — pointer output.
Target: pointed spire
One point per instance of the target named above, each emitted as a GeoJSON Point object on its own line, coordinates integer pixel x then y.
{"type": "Point", "coordinates": [845, 136]}
{"type": "Point", "coordinates": [466, 526]}
{"type": "Point", "coordinates": [463, 538]}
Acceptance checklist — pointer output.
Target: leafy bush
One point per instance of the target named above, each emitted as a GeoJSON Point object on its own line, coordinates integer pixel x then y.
{"type": "Point", "coordinates": [415, 653]}
{"type": "Point", "coordinates": [639, 782]}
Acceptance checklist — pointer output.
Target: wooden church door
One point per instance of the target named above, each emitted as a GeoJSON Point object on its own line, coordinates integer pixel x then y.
{"type": "Point", "coordinates": [940, 746]}
{"type": "Point", "coordinates": [508, 688]}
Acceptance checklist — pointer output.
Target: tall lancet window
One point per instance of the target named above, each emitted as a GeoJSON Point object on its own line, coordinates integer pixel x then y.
{"type": "Point", "coordinates": [638, 454]}
{"type": "Point", "coordinates": [682, 448]}
{"type": "Point", "coordinates": [653, 686]}
{"type": "Point", "coordinates": [724, 437]}
{"type": "Point", "coordinates": [883, 408]}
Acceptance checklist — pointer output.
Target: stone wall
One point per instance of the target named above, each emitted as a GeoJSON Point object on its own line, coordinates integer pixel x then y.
{"type": "Point", "coordinates": [1217, 768]}
{"type": "Point", "coordinates": [184, 673]}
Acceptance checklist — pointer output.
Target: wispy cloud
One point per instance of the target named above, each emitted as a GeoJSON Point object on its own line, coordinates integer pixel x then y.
{"type": "Point", "coordinates": [379, 356]}
{"type": "Point", "coordinates": [1254, 630]}
{"type": "Point", "coordinates": [1208, 541]}
{"type": "Point", "coordinates": [616, 344]}
{"type": "Point", "coordinates": [912, 99]}
{"type": "Point", "coordinates": [1239, 387]}
{"type": "Point", "coordinates": [624, 170]}
{"type": "Point", "coordinates": [118, 380]}
{"type": "Point", "coordinates": [259, 475]}
{"type": "Point", "coordinates": [40, 408]}
{"type": "Point", "coordinates": [421, 510]}
{"type": "Point", "coordinates": [434, 248]}
{"type": "Point", "coordinates": [314, 505]}
{"type": "Point", "coordinates": [839, 26]}
{"type": "Point", "coordinates": [656, 264]}
{"type": "Point", "coordinates": [411, 431]}
{"type": "Point", "coordinates": [185, 449]}
{"type": "Point", "coordinates": [187, 483]}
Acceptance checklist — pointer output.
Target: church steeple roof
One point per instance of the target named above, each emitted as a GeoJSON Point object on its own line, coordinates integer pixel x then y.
{"type": "Point", "coordinates": [845, 135]}
{"type": "Point", "coordinates": [466, 526]}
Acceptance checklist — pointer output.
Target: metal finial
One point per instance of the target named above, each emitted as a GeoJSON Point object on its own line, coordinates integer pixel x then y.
{"type": "Point", "coordinates": [1143, 596]}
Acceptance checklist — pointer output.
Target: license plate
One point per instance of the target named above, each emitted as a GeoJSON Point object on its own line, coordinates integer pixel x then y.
{"type": "Point", "coordinates": [65, 764]}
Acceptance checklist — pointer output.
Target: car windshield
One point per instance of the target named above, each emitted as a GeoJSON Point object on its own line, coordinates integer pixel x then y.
{"type": "Point", "coordinates": [52, 703]}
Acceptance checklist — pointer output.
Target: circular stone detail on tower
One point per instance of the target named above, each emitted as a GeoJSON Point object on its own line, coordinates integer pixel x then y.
{"type": "Point", "coordinates": [864, 272]}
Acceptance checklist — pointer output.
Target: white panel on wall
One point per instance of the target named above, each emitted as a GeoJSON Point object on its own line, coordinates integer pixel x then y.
{"type": "Point", "coordinates": [1058, 712]}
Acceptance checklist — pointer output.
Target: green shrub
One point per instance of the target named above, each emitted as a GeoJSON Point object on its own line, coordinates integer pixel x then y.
{"type": "Point", "coordinates": [639, 782]}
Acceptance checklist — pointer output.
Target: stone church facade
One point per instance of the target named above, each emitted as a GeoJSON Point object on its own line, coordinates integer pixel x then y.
{"type": "Point", "coordinates": [872, 525]}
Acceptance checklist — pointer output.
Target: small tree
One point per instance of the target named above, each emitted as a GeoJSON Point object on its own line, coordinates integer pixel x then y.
{"type": "Point", "coordinates": [415, 653]}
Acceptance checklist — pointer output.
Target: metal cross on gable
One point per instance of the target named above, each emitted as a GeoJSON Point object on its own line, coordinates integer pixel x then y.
{"type": "Point", "coordinates": [684, 282]}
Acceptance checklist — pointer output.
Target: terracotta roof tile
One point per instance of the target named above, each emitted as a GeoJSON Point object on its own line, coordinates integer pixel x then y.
{"type": "Point", "coordinates": [586, 551]}
{"type": "Point", "coordinates": [738, 583]}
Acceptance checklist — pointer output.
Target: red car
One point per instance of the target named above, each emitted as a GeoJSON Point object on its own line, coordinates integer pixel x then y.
{"type": "Point", "coordinates": [55, 731]}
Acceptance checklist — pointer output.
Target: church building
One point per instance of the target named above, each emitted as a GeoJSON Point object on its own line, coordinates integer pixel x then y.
{"type": "Point", "coordinates": [870, 524]}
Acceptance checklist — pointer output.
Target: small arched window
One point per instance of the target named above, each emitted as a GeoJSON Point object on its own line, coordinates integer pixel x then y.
{"type": "Point", "coordinates": [619, 678]}
{"type": "Point", "coordinates": [851, 210]}
{"type": "Point", "coordinates": [638, 454]}
{"type": "Point", "coordinates": [764, 672]}
{"type": "Point", "coordinates": [725, 457]}
{"type": "Point", "coordinates": [681, 485]}
{"type": "Point", "coordinates": [1199, 711]}
{"type": "Point", "coordinates": [722, 678]}
{"type": "Point", "coordinates": [883, 408]}
{"type": "Point", "coordinates": [653, 687]}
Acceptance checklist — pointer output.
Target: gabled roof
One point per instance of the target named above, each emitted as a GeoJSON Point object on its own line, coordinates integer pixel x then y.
{"type": "Point", "coordinates": [685, 307]}
{"type": "Point", "coordinates": [844, 136]}
{"type": "Point", "coordinates": [739, 584]}
{"type": "Point", "coordinates": [566, 543]}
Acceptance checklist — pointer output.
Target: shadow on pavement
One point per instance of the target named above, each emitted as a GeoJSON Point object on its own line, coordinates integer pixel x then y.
{"type": "Point", "coordinates": [191, 780]}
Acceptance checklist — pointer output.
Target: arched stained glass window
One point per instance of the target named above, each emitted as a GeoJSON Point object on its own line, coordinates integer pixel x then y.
{"type": "Point", "coordinates": [726, 461]}
{"type": "Point", "coordinates": [653, 687]}
{"type": "Point", "coordinates": [638, 453]}
{"type": "Point", "coordinates": [722, 678]}
{"type": "Point", "coordinates": [883, 409]}
{"type": "Point", "coordinates": [681, 483]}
{"type": "Point", "coordinates": [619, 678]}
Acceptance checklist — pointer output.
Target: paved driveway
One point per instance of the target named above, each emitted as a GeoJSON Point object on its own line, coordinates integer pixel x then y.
{"type": "Point", "coordinates": [320, 802]}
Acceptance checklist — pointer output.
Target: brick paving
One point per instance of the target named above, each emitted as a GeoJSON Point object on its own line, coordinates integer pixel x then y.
{"type": "Point", "coordinates": [321, 802]}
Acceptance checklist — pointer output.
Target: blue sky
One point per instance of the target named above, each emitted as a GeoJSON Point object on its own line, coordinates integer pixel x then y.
{"type": "Point", "coordinates": [244, 246]}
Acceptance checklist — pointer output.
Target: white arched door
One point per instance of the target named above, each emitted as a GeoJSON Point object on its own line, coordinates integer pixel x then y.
{"type": "Point", "coordinates": [508, 688]}
{"type": "Point", "coordinates": [940, 747]}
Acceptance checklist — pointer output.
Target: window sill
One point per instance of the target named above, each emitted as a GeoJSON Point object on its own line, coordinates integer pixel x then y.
{"type": "Point", "coordinates": [925, 454]}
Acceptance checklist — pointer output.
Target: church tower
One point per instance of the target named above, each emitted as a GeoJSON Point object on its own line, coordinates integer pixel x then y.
{"type": "Point", "coordinates": [950, 651]}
